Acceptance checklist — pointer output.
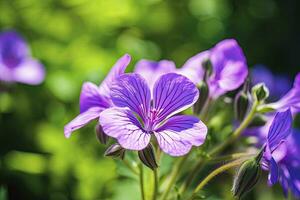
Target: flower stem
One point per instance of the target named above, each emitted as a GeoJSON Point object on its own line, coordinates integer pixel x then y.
{"type": "Point", "coordinates": [155, 184]}
{"type": "Point", "coordinates": [215, 173]}
{"type": "Point", "coordinates": [142, 181]}
{"type": "Point", "coordinates": [220, 147]}
{"type": "Point", "coordinates": [174, 175]}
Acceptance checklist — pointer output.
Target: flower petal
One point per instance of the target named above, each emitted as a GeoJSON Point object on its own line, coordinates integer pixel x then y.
{"type": "Point", "coordinates": [193, 67]}
{"type": "Point", "coordinates": [273, 172]}
{"type": "Point", "coordinates": [29, 71]}
{"type": "Point", "coordinates": [280, 128]}
{"type": "Point", "coordinates": [151, 70]}
{"type": "Point", "coordinates": [81, 120]}
{"type": "Point", "coordinates": [180, 133]}
{"type": "Point", "coordinates": [132, 91]}
{"type": "Point", "coordinates": [13, 49]}
{"type": "Point", "coordinates": [122, 124]}
{"type": "Point", "coordinates": [115, 72]}
{"type": "Point", "coordinates": [297, 81]}
{"type": "Point", "coordinates": [172, 94]}
{"type": "Point", "coordinates": [90, 97]}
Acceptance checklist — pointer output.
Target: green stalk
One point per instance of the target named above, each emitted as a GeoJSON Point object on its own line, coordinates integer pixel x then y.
{"type": "Point", "coordinates": [215, 173]}
{"type": "Point", "coordinates": [142, 181]}
{"type": "Point", "coordinates": [155, 192]}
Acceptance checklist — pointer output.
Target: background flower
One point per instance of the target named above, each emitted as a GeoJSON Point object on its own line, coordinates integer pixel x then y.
{"type": "Point", "coordinates": [16, 63]}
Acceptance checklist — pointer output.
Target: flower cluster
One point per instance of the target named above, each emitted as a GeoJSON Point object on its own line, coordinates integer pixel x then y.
{"type": "Point", "coordinates": [146, 110]}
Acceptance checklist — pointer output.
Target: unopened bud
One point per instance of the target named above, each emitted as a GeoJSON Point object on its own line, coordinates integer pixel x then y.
{"type": "Point", "coordinates": [247, 177]}
{"type": "Point", "coordinates": [116, 151]}
{"type": "Point", "coordinates": [147, 156]}
{"type": "Point", "coordinates": [101, 136]}
{"type": "Point", "coordinates": [203, 96]}
{"type": "Point", "coordinates": [260, 92]}
{"type": "Point", "coordinates": [241, 105]}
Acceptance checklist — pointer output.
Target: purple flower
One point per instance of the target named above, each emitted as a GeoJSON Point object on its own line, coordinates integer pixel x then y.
{"type": "Point", "coordinates": [94, 99]}
{"type": "Point", "coordinates": [290, 99]}
{"type": "Point", "coordinates": [229, 67]}
{"type": "Point", "coordinates": [278, 85]}
{"type": "Point", "coordinates": [151, 70]}
{"type": "Point", "coordinates": [280, 129]}
{"type": "Point", "coordinates": [16, 63]}
{"type": "Point", "coordinates": [137, 117]}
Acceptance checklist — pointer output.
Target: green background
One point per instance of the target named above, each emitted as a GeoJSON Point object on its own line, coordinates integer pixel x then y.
{"type": "Point", "coordinates": [79, 40]}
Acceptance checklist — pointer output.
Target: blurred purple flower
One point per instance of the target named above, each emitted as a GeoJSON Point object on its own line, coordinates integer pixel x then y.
{"type": "Point", "coordinates": [152, 70]}
{"type": "Point", "coordinates": [16, 63]}
{"type": "Point", "coordinates": [137, 117]}
{"type": "Point", "coordinates": [229, 67]}
{"type": "Point", "coordinates": [94, 99]}
{"type": "Point", "coordinates": [278, 85]}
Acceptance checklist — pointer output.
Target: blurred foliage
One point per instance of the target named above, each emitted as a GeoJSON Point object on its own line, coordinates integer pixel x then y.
{"type": "Point", "coordinates": [79, 40]}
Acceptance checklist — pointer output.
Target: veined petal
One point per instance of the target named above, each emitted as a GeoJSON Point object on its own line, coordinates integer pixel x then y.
{"type": "Point", "coordinates": [273, 172]}
{"type": "Point", "coordinates": [118, 69]}
{"type": "Point", "coordinates": [297, 81]}
{"type": "Point", "coordinates": [122, 124]}
{"type": "Point", "coordinates": [29, 71]}
{"type": "Point", "coordinates": [280, 129]}
{"type": "Point", "coordinates": [132, 91]}
{"type": "Point", "coordinates": [172, 94]}
{"type": "Point", "coordinates": [81, 120]}
{"type": "Point", "coordinates": [90, 97]}
{"type": "Point", "coordinates": [151, 70]}
{"type": "Point", "coordinates": [190, 128]}
{"type": "Point", "coordinates": [180, 133]}
{"type": "Point", "coordinates": [193, 68]}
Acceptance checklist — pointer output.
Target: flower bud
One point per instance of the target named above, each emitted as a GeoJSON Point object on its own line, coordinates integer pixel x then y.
{"type": "Point", "coordinates": [115, 151]}
{"type": "Point", "coordinates": [101, 136]}
{"type": "Point", "coordinates": [247, 177]}
{"type": "Point", "coordinates": [260, 92]}
{"type": "Point", "coordinates": [147, 156]}
{"type": "Point", "coordinates": [203, 95]}
{"type": "Point", "coordinates": [241, 105]}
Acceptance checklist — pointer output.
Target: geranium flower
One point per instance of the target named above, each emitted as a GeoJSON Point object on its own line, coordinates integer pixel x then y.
{"type": "Point", "coordinates": [229, 67]}
{"type": "Point", "coordinates": [16, 63]}
{"type": "Point", "coordinates": [94, 99]}
{"type": "Point", "coordinates": [138, 117]}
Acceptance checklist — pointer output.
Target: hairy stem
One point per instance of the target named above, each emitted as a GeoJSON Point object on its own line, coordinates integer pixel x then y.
{"type": "Point", "coordinates": [215, 173]}
{"type": "Point", "coordinates": [142, 181]}
{"type": "Point", "coordinates": [155, 191]}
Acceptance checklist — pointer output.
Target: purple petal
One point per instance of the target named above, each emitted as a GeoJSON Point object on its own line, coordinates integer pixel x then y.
{"type": "Point", "coordinates": [118, 69]}
{"type": "Point", "coordinates": [179, 133]}
{"type": "Point", "coordinates": [81, 120]}
{"type": "Point", "coordinates": [172, 94]}
{"type": "Point", "coordinates": [90, 97]}
{"type": "Point", "coordinates": [121, 123]}
{"type": "Point", "coordinates": [151, 70]}
{"type": "Point", "coordinates": [13, 49]}
{"type": "Point", "coordinates": [30, 72]}
{"type": "Point", "coordinates": [280, 129]}
{"type": "Point", "coordinates": [233, 75]}
{"type": "Point", "coordinates": [273, 172]}
{"type": "Point", "coordinates": [229, 67]}
{"type": "Point", "coordinates": [132, 91]}
{"type": "Point", "coordinates": [193, 67]}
